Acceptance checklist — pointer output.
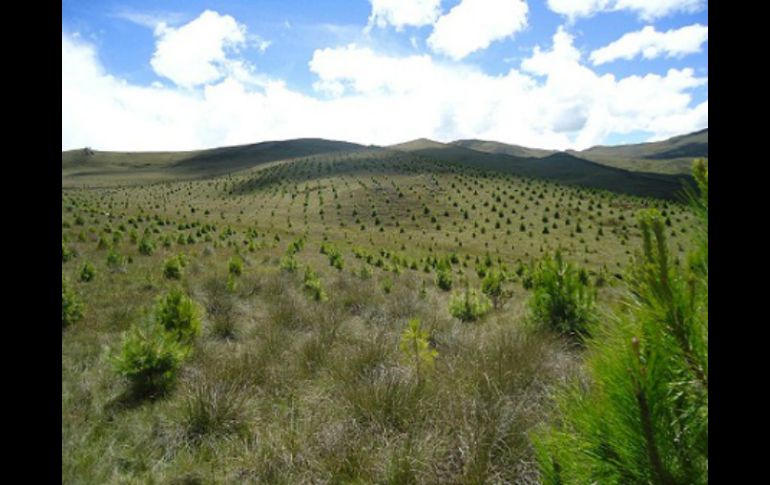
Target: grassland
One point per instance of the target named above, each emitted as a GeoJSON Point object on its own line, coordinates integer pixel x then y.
{"type": "Point", "coordinates": [282, 388]}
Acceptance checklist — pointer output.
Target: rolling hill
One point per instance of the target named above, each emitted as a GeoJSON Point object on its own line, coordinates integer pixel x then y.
{"type": "Point", "coordinates": [503, 148]}
{"type": "Point", "coordinates": [649, 169]}
{"type": "Point", "coordinates": [668, 156]}
{"type": "Point", "coordinates": [104, 167]}
{"type": "Point", "coordinates": [559, 166]}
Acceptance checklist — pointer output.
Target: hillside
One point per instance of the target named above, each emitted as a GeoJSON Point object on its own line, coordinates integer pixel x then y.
{"type": "Point", "coordinates": [642, 169]}
{"type": "Point", "coordinates": [301, 278]}
{"type": "Point", "coordinates": [503, 148]}
{"type": "Point", "coordinates": [668, 156]}
{"type": "Point", "coordinates": [106, 168]}
{"type": "Point", "coordinates": [561, 167]}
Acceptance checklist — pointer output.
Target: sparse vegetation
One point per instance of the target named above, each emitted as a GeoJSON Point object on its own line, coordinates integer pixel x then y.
{"type": "Point", "coordinates": [311, 368]}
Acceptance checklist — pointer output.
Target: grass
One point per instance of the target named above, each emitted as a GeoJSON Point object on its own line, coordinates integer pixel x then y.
{"type": "Point", "coordinates": [284, 388]}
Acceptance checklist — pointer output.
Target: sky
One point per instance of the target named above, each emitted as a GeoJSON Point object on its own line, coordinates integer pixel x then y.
{"type": "Point", "coordinates": [155, 75]}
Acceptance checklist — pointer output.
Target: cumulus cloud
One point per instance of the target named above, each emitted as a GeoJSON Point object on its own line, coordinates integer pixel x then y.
{"type": "Point", "coordinates": [195, 53]}
{"type": "Point", "coordinates": [474, 24]}
{"type": "Point", "coordinates": [647, 10]}
{"type": "Point", "coordinates": [400, 13]}
{"type": "Point", "coordinates": [651, 44]}
{"type": "Point", "coordinates": [551, 100]}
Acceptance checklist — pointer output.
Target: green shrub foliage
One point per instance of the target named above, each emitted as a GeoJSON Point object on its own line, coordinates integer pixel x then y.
{"type": "Point", "coordinates": [172, 268]}
{"type": "Point", "coordinates": [87, 272]}
{"type": "Point", "coordinates": [149, 358]}
{"type": "Point", "coordinates": [561, 299]}
{"type": "Point", "coordinates": [415, 345]}
{"type": "Point", "coordinates": [444, 279]}
{"type": "Point", "coordinates": [313, 285]}
{"type": "Point", "coordinates": [178, 315]}
{"type": "Point", "coordinates": [644, 416]}
{"type": "Point", "coordinates": [71, 305]}
{"type": "Point", "coordinates": [235, 266]}
{"type": "Point", "coordinates": [469, 305]}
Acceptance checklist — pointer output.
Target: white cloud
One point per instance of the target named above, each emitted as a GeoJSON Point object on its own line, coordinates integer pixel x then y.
{"type": "Point", "coordinates": [400, 13]}
{"type": "Point", "coordinates": [194, 54]}
{"type": "Point", "coordinates": [647, 10]}
{"type": "Point", "coordinates": [553, 100]}
{"type": "Point", "coordinates": [474, 24]}
{"type": "Point", "coordinates": [651, 44]}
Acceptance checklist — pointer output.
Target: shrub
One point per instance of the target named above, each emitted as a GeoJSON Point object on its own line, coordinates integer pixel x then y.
{"type": "Point", "coordinates": [172, 268]}
{"type": "Point", "coordinates": [235, 266]}
{"type": "Point", "coordinates": [87, 272]}
{"type": "Point", "coordinates": [146, 246]}
{"type": "Point", "coordinates": [71, 305]}
{"type": "Point", "coordinates": [469, 305]}
{"type": "Point", "coordinates": [178, 315]}
{"type": "Point", "coordinates": [313, 285]}
{"type": "Point", "coordinates": [493, 286]}
{"type": "Point", "coordinates": [561, 301]}
{"type": "Point", "coordinates": [416, 347]}
{"type": "Point", "coordinates": [288, 262]}
{"type": "Point", "coordinates": [387, 285]}
{"type": "Point", "coordinates": [444, 279]}
{"type": "Point", "coordinates": [114, 260]}
{"type": "Point", "coordinates": [644, 418]}
{"type": "Point", "coordinates": [149, 358]}
{"type": "Point", "coordinates": [66, 253]}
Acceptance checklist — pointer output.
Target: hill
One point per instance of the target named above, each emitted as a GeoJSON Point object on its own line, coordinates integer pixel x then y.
{"type": "Point", "coordinates": [668, 156]}
{"type": "Point", "coordinates": [105, 167]}
{"type": "Point", "coordinates": [559, 166]}
{"type": "Point", "coordinates": [504, 148]}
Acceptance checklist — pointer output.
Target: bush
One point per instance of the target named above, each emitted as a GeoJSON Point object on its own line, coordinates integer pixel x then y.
{"type": "Point", "coordinates": [149, 358]}
{"type": "Point", "coordinates": [313, 285]}
{"type": "Point", "coordinates": [644, 418]}
{"type": "Point", "coordinates": [178, 315]}
{"type": "Point", "coordinates": [415, 345]}
{"type": "Point", "coordinates": [172, 268]}
{"type": "Point", "coordinates": [146, 246]}
{"type": "Point", "coordinates": [492, 286]}
{"type": "Point", "coordinates": [469, 305]}
{"type": "Point", "coordinates": [114, 260]}
{"type": "Point", "coordinates": [444, 279]}
{"type": "Point", "coordinates": [71, 305]}
{"type": "Point", "coordinates": [66, 253]}
{"type": "Point", "coordinates": [288, 262]}
{"type": "Point", "coordinates": [87, 272]}
{"type": "Point", "coordinates": [561, 301]}
{"type": "Point", "coordinates": [235, 266]}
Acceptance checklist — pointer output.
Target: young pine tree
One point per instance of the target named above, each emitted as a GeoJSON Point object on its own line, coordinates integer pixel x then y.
{"type": "Point", "coordinates": [643, 417]}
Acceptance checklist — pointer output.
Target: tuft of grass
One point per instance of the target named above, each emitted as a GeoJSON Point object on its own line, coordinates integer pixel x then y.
{"type": "Point", "coordinates": [213, 407]}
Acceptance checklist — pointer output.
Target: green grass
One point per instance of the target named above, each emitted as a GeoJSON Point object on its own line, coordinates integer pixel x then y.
{"type": "Point", "coordinates": [282, 387]}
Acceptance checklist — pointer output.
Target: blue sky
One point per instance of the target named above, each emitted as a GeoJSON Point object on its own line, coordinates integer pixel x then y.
{"type": "Point", "coordinates": [153, 75]}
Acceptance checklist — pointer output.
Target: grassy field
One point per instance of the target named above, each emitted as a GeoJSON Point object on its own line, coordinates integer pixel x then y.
{"type": "Point", "coordinates": [282, 387]}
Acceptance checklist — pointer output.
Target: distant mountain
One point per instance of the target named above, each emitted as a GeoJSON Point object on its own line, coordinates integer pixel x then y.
{"type": "Point", "coordinates": [504, 148]}
{"type": "Point", "coordinates": [674, 155]}
{"type": "Point", "coordinates": [558, 166]}
{"type": "Point", "coordinates": [648, 169]}
{"type": "Point", "coordinates": [136, 166]}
